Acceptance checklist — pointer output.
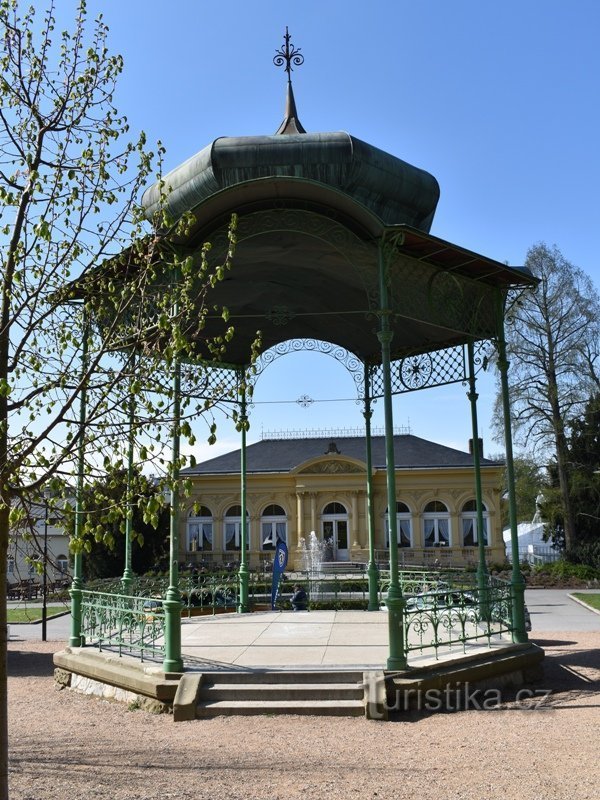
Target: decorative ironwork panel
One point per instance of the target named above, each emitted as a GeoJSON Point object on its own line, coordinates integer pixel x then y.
{"type": "Point", "coordinates": [123, 622]}
{"type": "Point", "coordinates": [423, 371]}
{"type": "Point", "coordinates": [418, 371]}
{"type": "Point", "coordinates": [348, 360]}
{"type": "Point", "coordinates": [215, 383]}
{"type": "Point", "coordinates": [483, 354]}
{"type": "Point", "coordinates": [422, 294]}
{"type": "Point", "coordinates": [451, 616]}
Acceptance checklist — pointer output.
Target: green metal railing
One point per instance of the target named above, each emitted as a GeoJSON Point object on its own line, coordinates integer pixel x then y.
{"type": "Point", "coordinates": [444, 609]}
{"type": "Point", "coordinates": [123, 623]}
{"type": "Point", "coordinates": [450, 617]}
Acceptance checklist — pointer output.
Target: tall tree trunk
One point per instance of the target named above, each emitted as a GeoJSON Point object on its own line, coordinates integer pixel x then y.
{"type": "Point", "coordinates": [561, 456]}
{"type": "Point", "coordinates": [4, 529]}
{"type": "Point", "coordinates": [563, 482]}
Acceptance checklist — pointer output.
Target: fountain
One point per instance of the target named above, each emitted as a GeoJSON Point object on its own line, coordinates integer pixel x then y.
{"type": "Point", "coordinates": [313, 556]}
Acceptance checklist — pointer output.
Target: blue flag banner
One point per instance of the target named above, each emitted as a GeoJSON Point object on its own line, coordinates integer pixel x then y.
{"type": "Point", "coordinates": [279, 564]}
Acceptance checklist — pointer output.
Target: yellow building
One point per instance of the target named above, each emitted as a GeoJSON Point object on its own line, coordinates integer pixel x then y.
{"type": "Point", "coordinates": [295, 486]}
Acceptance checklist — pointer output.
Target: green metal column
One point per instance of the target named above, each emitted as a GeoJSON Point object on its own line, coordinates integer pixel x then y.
{"type": "Point", "coordinates": [243, 574]}
{"type": "Point", "coordinates": [395, 601]}
{"type": "Point", "coordinates": [482, 574]}
{"type": "Point", "coordinates": [517, 582]}
{"type": "Point", "coordinates": [127, 578]}
{"type": "Point", "coordinates": [172, 602]}
{"type": "Point", "coordinates": [372, 570]}
{"type": "Point", "coordinates": [76, 639]}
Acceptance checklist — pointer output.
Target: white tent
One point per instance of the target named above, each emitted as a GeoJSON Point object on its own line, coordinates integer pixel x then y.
{"type": "Point", "coordinates": [532, 546]}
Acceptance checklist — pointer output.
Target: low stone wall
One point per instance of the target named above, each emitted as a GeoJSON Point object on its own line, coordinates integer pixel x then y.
{"type": "Point", "coordinates": [124, 679]}
{"type": "Point", "coordinates": [119, 678]}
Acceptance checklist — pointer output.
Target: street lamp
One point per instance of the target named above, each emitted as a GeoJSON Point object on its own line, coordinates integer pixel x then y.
{"type": "Point", "coordinates": [45, 574]}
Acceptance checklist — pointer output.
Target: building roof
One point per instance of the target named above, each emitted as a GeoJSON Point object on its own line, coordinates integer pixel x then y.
{"type": "Point", "coordinates": [285, 455]}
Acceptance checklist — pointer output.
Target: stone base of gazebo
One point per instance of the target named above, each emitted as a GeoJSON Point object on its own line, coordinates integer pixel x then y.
{"type": "Point", "coordinates": [298, 663]}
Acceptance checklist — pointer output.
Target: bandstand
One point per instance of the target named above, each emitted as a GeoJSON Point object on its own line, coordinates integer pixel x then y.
{"type": "Point", "coordinates": [334, 254]}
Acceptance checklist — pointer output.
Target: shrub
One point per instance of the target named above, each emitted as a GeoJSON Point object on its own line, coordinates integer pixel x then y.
{"type": "Point", "coordinates": [564, 570]}
{"type": "Point", "coordinates": [339, 605]}
{"type": "Point", "coordinates": [585, 553]}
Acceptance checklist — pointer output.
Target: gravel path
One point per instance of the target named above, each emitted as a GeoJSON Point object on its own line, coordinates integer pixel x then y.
{"type": "Point", "coordinates": [65, 745]}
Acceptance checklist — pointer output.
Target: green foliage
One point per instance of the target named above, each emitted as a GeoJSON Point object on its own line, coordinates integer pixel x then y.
{"type": "Point", "coordinates": [339, 605]}
{"type": "Point", "coordinates": [585, 553]}
{"type": "Point", "coordinates": [583, 463]}
{"type": "Point", "coordinates": [107, 503]}
{"type": "Point", "coordinates": [98, 303]}
{"type": "Point", "coordinates": [563, 570]}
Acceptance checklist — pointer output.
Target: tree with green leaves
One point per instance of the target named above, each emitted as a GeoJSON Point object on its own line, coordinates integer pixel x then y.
{"type": "Point", "coordinates": [104, 502]}
{"type": "Point", "coordinates": [584, 459]}
{"type": "Point", "coordinates": [583, 450]}
{"type": "Point", "coordinates": [93, 300]}
{"type": "Point", "coordinates": [552, 336]}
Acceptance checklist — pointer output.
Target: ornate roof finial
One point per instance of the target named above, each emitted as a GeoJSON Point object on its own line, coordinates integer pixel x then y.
{"type": "Point", "coordinates": [288, 55]}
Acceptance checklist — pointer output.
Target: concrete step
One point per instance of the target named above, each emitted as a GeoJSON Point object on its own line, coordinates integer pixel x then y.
{"type": "Point", "coordinates": [329, 708]}
{"type": "Point", "coordinates": [328, 693]}
{"type": "Point", "coordinates": [285, 676]}
{"type": "Point", "coordinates": [283, 691]}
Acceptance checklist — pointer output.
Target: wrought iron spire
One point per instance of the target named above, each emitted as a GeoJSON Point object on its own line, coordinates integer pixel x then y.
{"type": "Point", "coordinates": [286, 56]}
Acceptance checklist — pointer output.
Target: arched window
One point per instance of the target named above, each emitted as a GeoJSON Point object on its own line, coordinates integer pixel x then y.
{"type": "Point", "coordinates": [403, 525]}
{"type": "Point", "coordinates": [334, 508]}
{"type": "Point", "coordinates": [273, 526]}
{"type": "Point", "coordinates": [468, 521]}
{"type": "Point", "coordinates": [62, 564]}
{"type": "Point", "coordinates": [436, 525]}
{"type": "Point", "coordinates": [200, 530]}
{"type": "Point", "coordinates": [233, 528]}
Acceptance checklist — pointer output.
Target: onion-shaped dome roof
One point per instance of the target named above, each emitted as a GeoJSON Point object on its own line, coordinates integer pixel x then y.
{"type": "Point", "coordinates": [393, 190]}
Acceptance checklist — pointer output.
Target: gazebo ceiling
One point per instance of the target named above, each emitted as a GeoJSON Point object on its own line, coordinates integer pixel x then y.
{"type": "Point", "coordinates": [304, 270]}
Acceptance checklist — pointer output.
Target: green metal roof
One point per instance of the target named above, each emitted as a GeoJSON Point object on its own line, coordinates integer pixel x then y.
{"type": "Point", "coordinates": [391, 189]}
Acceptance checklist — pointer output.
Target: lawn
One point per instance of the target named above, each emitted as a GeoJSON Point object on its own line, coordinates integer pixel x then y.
{"type": "Point", "coordinates": [591, 599]}
{"type": "Point", "coordinates": [20, 615]}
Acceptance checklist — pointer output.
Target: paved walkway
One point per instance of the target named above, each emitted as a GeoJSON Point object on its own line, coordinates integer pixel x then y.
{"type": "Point", "coordinates": [303, 639]}
{"type": "Point", "coordinates": [326, 638]}
{"type": "Point", "coordinates": [554, 610]}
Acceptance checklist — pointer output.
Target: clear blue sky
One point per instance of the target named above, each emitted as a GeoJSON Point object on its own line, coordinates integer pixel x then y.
{"type": "Point", "coordinates": [498, 100]}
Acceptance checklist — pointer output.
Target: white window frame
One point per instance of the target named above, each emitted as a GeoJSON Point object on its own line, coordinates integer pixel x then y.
{"type": "Point", "coordinates": [469, 518]}
{"type": "Point", "coordinates": [440, 525]}
{"type": "Point", "coordinates": [199, 528]}
{"type": "Point", "coordinates": [62, 564]}
{"type": "Point", "coordinates": [272, 528]}
{"type": "Point", "coordinates": [403, 525]}
{"type": "Point", "coordinates": [233, 524]}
